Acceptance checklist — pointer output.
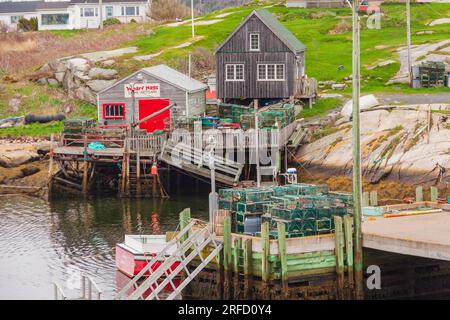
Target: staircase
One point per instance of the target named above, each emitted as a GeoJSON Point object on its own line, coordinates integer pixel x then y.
{"type": "Point", "coordinates": [187, 245]}
{"type": "Point", "coordinates": [89, 290]}
{"type": "Point", "coordinates": [190, 159]}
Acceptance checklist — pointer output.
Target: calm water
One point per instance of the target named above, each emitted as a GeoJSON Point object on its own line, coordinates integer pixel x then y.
{"type": "Point", "coordinates": [41, 241]}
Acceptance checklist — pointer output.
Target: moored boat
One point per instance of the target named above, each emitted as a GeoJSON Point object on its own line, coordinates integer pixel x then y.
{"type": "Point", "coordinates": [136, 251]}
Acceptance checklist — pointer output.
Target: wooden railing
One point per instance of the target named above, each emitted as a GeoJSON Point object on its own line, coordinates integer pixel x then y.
{"type": "Point", "coordinates": [146, 143]}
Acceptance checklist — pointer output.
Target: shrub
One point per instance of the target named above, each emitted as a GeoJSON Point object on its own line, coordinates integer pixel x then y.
{"type": "Point", "coordinates": [111, 22]}
{"type": "Point", "coordinates": [3, 27]}
{"type": "Point", "coordinates": [162, 10]}
{"type": "Point", "coordinates": [133, 21]}
{"type": "Point", "coordinates": [28, 25]}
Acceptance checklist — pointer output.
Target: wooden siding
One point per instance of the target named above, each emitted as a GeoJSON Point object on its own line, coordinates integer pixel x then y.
{"type": "Point", "coordinates": [168, 91]}
{"type": "Point", "coordinates": [272, 50]}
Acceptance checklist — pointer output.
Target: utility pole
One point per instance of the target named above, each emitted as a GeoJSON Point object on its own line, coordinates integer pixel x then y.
{"type": "Point", "coordinates": [192, 17]}
{"type": "Point", "coordinates": [357, 183]}
{"type": "Point", "coordinates": [100, 12]}
{"type": "Point", "coordinates": [258, 169]}
{"type": "Point", "coordinates": [190, 65]}
{"type": "Point", "coordinates": [408, 36]}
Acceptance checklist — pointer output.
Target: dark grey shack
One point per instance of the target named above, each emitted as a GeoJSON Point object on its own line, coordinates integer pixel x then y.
{"type": "Point", "coordinates": [261, 59]}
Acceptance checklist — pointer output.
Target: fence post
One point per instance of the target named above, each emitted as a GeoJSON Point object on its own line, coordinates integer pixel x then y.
{"type": "Point", "coordinates": [419, 194]}
{"type": "Point", "coordinates": [433, 194]}
{"type": "Point", "coordinates": [265, 258]}
{"type": "Point", "coordinates": [283, 259]}
{"type": "Point", "coordinates": [227, 256]}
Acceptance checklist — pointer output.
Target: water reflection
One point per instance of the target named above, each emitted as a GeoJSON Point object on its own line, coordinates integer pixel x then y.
{"type": "Point", "coordinates": [42, 241]}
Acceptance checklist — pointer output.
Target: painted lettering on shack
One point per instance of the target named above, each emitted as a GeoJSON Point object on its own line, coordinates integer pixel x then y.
{"type": "Point", "coordinates": [144, 90]}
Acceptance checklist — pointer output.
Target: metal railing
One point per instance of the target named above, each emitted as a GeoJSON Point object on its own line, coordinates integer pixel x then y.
{"type": "Point", "coordinates": [59, 293]}
{"type": "Point", "coordinates": [88, 287]}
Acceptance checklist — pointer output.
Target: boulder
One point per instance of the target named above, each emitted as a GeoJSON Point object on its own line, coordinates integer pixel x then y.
{"type": "Point", "coordinates": [81, 75]}
{"type": "Point", "coordinates": [99, 85]}
{"type": "Point", "coordinates": [43, 81]}
{"type": "Point", "coordinates": [14, 104]}
{"type": "Point", "coordinates": [53, 82]}
{"type": "Point", "coordinates": [338, 86]}
{"type": "Point", "coordinates": [85, 94]}
{"type": "Point", "coordinates": [78, 64]}
{"type": "Point", "coordinates": [108, 63]}
{"type": "Point", "coordinates": [29, 170]}
{"type": "Point", "coordinates": [43, 147]}
{"type": "Point", "coordinates": [17, 157]}
{"type": "Point", "coordinates": [68, 81]}
{"type": "Point", "coordinates": [59, 76]}
{"type": "Point", "coordinates": [100, 73]}
{"type": "Point", "coordinates": [45, 68]}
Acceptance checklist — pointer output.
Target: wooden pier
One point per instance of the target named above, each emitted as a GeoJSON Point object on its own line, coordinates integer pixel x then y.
{"type": "Point", "coordinates": [130, 162]}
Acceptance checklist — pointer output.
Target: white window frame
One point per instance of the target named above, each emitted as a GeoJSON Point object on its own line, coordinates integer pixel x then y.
{"type": "Point", "coordinates": [112, 11]}
{"type": "Point", "coordinates": [234, 66]}
{"type": "Point", "coordinates": [276, 66]}
{"type": "Point", "coordinates": [94, 9]}
{"type": "Point", "coordinates": [251, 43]}
{"type": "Point", "coordinates": [16, 18]}
{"type": "Point", "coordinates": [124, 11]}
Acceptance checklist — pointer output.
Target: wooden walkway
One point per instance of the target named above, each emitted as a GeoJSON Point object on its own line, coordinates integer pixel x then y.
{"type": "Point", "coordinates": [425, 235]}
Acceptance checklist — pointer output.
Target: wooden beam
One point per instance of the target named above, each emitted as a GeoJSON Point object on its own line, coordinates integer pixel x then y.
{"type": "Point", "coordinates": [339, 251]}
{"type": "Point", "coordinates": [265, 258]}
{"type": "Point", "coordinates": [248, 268]}
{"type": "Point", "coordinates": [281, 227]}
{"type": "Point", "coordinates": [374, 198]}
{"type": "Point", "coordinates": [348, 231]}
{"type": "Point", "coordinates": [419, 194]}
{"type": "Point", "coordinates": [227, 256]}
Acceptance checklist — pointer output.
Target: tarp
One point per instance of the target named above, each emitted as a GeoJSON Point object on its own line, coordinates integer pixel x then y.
{"type": "Point", "coordinates": [365, 102]}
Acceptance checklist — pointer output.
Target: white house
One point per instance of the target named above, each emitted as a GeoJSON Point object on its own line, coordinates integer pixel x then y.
{"type": "Point", "coordinates": [72, 14]}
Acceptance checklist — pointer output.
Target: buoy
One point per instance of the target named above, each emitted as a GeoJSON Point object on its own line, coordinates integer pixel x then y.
{"type": "Point", "coordinates": [154, 170]}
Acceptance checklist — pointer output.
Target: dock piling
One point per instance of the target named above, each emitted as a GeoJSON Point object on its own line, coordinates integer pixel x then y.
{"type": "Point", "coordinates": [339, 251]}
{"type": "Point", "coordinates": [227, 256]}
{"type": "Point", "coordinates": [281, 227]}
{"type": "Point", "coordinates": [265, 258]}
{"type": "Point", "coordinates": [434, 194]}
{"type": "Point", "coordinates": [419, 194]}
{"type": "Point", "coordinates": [348, 231]}
{"type": "Point", "coordinates": [248, 269]}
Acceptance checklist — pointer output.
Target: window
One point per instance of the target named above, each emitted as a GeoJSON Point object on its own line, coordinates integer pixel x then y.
{"type": "Point", "coordinates": [113, 110]}
{"type": "Point", "coordinates": [130, 11]}
{"type": "Point", "coordinates": [234, 72]}
{"type": "Point", "coordinates": [15, 19]}
{"type": "Point", "coordinates": [271, 72]}
{"type": "Point", "coordinates": [109, 11]}
{"type": "Point", "coordinates": [89, 12]}
{"type": "Point", "coordinates": [54, 19]}
{"type": "Point", "coordinates": [254, 42]}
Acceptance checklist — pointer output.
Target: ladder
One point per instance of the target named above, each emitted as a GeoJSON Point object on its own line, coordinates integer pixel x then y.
{"type": "Point", "coordinates": [187, 245]}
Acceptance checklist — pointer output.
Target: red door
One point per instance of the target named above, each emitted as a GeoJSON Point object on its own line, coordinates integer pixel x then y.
{"type": "Point", "coordinates": [148, 107]}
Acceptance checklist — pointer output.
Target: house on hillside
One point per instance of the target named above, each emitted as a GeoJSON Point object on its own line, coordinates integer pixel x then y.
{"type": "Point", "coordinates": [71, 14]}
{"type": "Point", "coordinates": [315, 3]}
{"type": "Point", "coordinates": [155, 88]}
{"type": "Point", "coordinates": [261, 59]}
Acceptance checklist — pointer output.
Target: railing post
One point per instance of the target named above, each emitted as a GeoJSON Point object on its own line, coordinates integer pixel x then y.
{"type": "Point", "coordinates": [83, 286]}
{"type": "Point", "coordinates": [185, 217]}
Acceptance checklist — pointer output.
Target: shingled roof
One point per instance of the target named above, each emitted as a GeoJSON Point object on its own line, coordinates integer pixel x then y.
{"type": "Point", "coordinates": [277, 28]}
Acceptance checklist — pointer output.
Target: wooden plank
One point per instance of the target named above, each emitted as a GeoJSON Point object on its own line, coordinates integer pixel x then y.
{"type": "Point", "coordinates": [419, 194]}
{"type": "Point", "coordinates": [374, 198]}
{"type": "Point", "coordinates": [339, 238]}
{"type": "Point", "coordinates": [434, 194]}
{"type": "Point", "coordinates": [265, 258]}
{"type": "Point", "coordinates": [227, 256]}
{"type": "Point", "coordinates": [248, 268]}
{"type": "Point", "coordinates": [185, 218]}
{"type": "Point", "coordinates": [281, 227]}
{"type": "Point", "coordinates": [348, 231]}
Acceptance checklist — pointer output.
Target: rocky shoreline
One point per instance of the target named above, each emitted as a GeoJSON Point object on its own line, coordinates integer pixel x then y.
{"type": "Point", "coordinates": [24, 166]}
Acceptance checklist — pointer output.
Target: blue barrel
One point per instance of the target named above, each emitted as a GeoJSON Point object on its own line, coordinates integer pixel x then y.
{"type": "Point", "coordinates": [252, 225]}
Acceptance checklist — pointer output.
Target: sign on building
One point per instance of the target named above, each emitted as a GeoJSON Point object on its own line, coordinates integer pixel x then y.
{"type": "Point", "coordinates": [143, 90]}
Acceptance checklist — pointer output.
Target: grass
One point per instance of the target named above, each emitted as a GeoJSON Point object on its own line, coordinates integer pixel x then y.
{"type": "Point", "coordinates": [321, 107]}
{"type": "Point", "coordinates": [325, 51]}
{"type": "Point", "coordinates": [33, 130]}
